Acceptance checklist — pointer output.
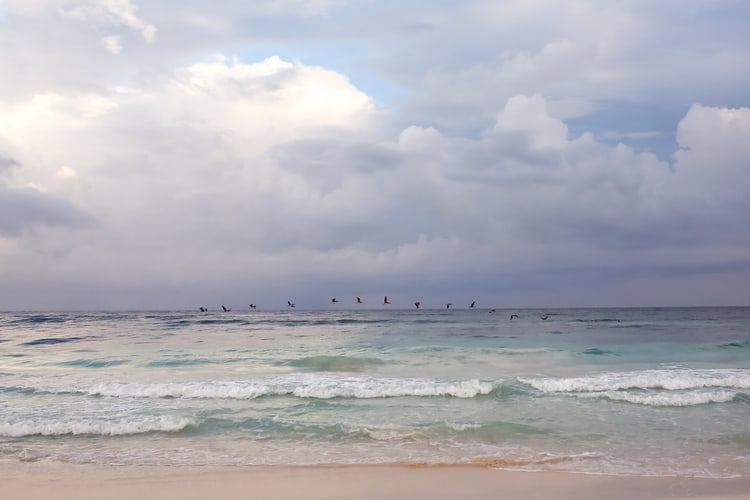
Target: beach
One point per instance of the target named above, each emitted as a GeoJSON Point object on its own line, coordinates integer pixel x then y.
{"type": "Point", "coordinates": [83, 482]}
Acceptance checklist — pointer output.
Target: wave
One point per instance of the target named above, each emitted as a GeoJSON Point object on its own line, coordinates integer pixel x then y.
{"type": "Point", "coordinates": [53, 340]}
{"type": "Point", "coordinates": [38, 318]}
{"type": "Point", "coordinates": [671, 380]}
{"type": "Point", "coordinates": [491, 431]}
{"type": "Point", "coordinates": [673, 387]}
{"type": "Point", "coordinates": [334, 363]}
{"type": "Point", "coordinates": [735, 345]}
{"type": "Point", "coordinates": [95, 363]}
{"type": "Point", "coordinates": [666, 398]}
{"type": "Point", "coordinates": [307, 387]}
{"type": "Point", "coordinates": [389, 433]}
{"type": "Point", "coordinates": [167, 363]}
{"type": "Point", "coordinates": [162, 423]}
{"type": "Point", "coordinates": [595, 351]}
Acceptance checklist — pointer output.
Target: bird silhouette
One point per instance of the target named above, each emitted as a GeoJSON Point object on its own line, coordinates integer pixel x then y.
{"type": "Point", "coordinates": [334, 300]}
{"type": "Point", "coordinates": [385, 300]}
{"type": "Point", "coordinates": [359, 301]}
{"type": "Point", "coordinates": [225, 309]}
{"type": "Point", "coordinates": [472, 304]}
{"type": "Point", "coordinates": [417, 304]}
{"type": "Point", "coordinates": [289, 304]}
{"type": "Point", "coordinates": [513, 316]}
{"type": "Point", "coordinates": [448, 306]}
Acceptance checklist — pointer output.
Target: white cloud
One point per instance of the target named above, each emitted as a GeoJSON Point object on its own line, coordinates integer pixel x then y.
{"type": "Point", "coordinates": [117, 12]}
{"type": "Point", "coordinates": [125, 12]}
{"type": "Point", "coordinates": [112, 43]}
{"type": "Point", "coordinates": [529, 115]}
{"type": "Point", "coordinates": [66, 171]}
{"type": "Point", "coordinates": [712, 162]}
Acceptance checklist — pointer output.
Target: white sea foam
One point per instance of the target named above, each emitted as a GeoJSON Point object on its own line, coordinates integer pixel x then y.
{"type": "Point", "coordinates": [682, 398]}
{"type": "Point", "coordinates": [462, 427]}
{"type": "Point", "coordinates": [390, 433]}
{"type": "Point", "coordinates": [40, 427]}
{"type": "Point", "coordinates": [301, 386]}
{"type": "Point", "coordinates": [671, 380]}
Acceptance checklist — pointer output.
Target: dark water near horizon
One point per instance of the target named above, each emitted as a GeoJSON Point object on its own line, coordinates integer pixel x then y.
{"type": "Point", "coordinates": [648, 391]}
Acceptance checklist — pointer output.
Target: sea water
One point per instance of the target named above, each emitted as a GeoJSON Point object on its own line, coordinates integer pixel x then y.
{"type": "Point", "coordinates": [622, 391]}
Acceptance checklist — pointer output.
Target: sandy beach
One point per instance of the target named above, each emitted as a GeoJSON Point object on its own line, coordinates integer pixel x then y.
{"type": "Point", "coordinates": [81, 482]}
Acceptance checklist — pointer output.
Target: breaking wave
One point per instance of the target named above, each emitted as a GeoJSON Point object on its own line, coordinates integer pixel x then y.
{"type": "Point", "coordinates": [39, 427]}
{"type": "Point", "coordinates": [310, 386]}
{"type": "Point", "coordinates": [676, 387]}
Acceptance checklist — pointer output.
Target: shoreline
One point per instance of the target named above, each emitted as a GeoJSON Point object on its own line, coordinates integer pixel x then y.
{"type": "Point", "coordinates": [82, 482]}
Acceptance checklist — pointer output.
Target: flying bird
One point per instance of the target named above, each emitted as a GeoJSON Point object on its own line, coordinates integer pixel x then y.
{"type": "Point", "coordinates": [448, 306]}
{"type": "Point", "coordinates": [253, 306]}
{"type": "Point", "coordinates": [359, 301]}
{"type": "Point", "coordinates": [417, 304]}
{"type": "Point", "coordinates": [289, 304]}
{"type": "Point", "coordinates": [225, 309]}
{"type": "Point", "coordinates": [385, 300]}
{"type": "Point", "coordinates": [472, 304]}
{"type": "Point", "coordinates": [544, 316]}
{"type": "Point", "coordinates": [513, 316]}
{"type": "Point", "coordinates": [334, 300]}
{"type": "Point", "coordinates": [203, 309]}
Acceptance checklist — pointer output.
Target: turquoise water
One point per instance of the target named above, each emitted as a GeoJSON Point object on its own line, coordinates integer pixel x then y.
{"type": "Point", "coordinates": [625, 391]}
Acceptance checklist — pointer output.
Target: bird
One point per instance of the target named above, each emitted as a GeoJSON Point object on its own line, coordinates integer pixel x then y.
{"type": "Point", "coordinates": [491, 311]}
{"type": "Point", "coordinates": [225, 309]}
{"type": "Point", "coordinates": [334, 300]}
{"type": "Point", "coordinates": [472, 304]}
{"type": "Point", "coordinates": [544, 316]}
{"type": "Point", "coordinates": [385, 300]}
{"type": "Point", "coordinates": [203, 309]}
{"type": "Point", "coordinates": [448, 306]}
{"type": "Point", "coordinates": [253, 306]}
{"type": "Point", "coordinates": [513, 316]}
{"type": "Point", "coordinates": [417, 304]}
{"type": "Point", "coordinates": [289, 303]}
{"type": "Point", "coordinates": [359, 301]}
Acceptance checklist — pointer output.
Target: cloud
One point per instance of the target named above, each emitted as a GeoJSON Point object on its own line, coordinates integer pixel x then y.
{"type": "Point", "coordinates": [117, 12]}
{"type": "Point", "coordinates": [112, 43]}
{"type": "Point", "coordinates": [524, 197]}
{"type": "Point", "coordinates": [27, 208]}
{"type": "Point", "coordinates": [6, 163]}
{"type": "Point", "coordinates": [184, 161]}
{"type": "Point", "coordinates": [711, 166]}
{"type": "Point", "coordinates": [283, 172]}
{"type": "Point", "coordinates": [481, 145]}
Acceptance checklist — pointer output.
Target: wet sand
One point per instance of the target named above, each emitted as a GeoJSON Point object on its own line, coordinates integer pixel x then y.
{"type": "Point", "coordinates": [83, 482]}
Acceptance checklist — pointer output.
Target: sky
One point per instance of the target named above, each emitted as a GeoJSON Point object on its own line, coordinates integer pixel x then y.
{"type": "Point", "coordinates": [175, 154]}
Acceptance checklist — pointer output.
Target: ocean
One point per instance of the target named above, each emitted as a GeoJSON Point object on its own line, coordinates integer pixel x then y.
{"type": "Point", "coordinates": [638, 391]}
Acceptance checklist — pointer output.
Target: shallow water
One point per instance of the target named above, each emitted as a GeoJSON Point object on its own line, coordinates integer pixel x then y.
{"type": "Point", "coordinates": [628, 391]}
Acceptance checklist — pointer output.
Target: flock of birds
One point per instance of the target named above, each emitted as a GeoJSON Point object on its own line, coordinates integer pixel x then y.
{"type": "Point", "coordinates": [417, 304]}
